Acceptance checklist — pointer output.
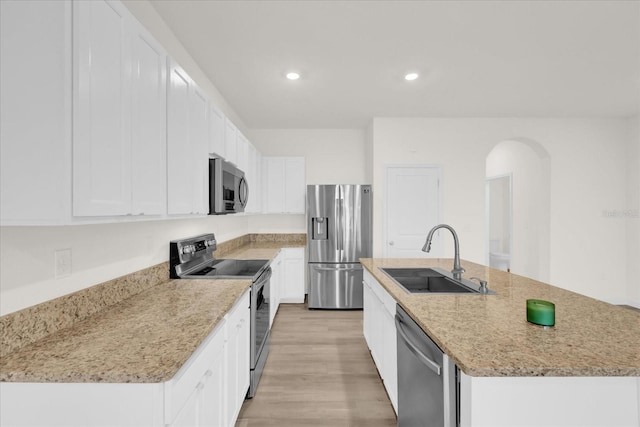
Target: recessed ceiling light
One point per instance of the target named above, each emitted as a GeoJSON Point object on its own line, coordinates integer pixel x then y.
{"type": "Point", "coordinates": [411, 76]}
{"type": "Point", "coordinates": [293, 75]}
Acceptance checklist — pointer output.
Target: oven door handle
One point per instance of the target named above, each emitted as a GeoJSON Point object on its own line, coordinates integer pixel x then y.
{"type": "Point", "coordinates": [266, 275]}
{"type": "Point", "coordinates": [415, 350]}
{"type": "Point", "coordinates": [264, 278]}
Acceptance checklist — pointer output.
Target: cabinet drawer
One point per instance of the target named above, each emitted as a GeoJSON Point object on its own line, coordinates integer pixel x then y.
{"type": "Point", "coordinates": [185, 382]}
{"type": "Point", "coordinates": [239, 310]}
{"type": "Point", "coordinates": [387, 300]}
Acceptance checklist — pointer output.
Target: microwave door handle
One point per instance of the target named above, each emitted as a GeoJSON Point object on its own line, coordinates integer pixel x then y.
{"type": "Point", "coordinates": [244, 191]}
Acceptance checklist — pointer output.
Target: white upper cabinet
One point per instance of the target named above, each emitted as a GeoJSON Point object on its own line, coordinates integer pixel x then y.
{"type": "Point", "coordinates": [295, 185]}
{"type": "Point", "coordinates": [274, 184]}
{"type": "Point", "coordinates": [179, 159]}
{"type": "Point", "coordinates": [253, 176]}
{"type": "Point", "coordinates": [187, 142]}
{"type": "Point", "coordinates": [242, 150]}
{"type": "Point", "coordinates": [102, 109]}
{"type": "Point", "coordinates": [230, 142]}
{"type": "Point", "coordinates": [119, 140]}
{"type": "Point", "coordinates": [149, 135]}
{"type": "Point", "coordinates": [199, 144]}
{"type": "Point", "coordinates": [35, 112]}
{"type": "Point", "coordinates": [122, 131]}
{"type": "Point", "coordinates": [284, 179]}
{"type": "Point", "coordinates": [216, 132]}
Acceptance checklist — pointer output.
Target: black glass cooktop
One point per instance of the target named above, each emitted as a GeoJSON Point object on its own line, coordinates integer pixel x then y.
{"type": "Point", "coordinates": [231, 268]}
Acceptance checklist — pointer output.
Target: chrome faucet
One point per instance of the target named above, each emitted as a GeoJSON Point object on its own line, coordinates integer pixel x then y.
{"type": "Point", "coordinates": [457, 269]}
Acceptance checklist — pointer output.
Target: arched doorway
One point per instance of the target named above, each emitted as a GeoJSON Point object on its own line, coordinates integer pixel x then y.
{"type": "Point", "coordinates": [518, 208]}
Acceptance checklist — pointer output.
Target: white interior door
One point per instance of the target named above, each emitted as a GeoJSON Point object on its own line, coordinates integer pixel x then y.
{"type": "Point", "coordinates": [412, 209]}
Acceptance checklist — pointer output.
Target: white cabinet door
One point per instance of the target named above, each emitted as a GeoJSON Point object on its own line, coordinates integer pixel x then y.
{"type": "Point", "coordinates": [244, 352]}
{"type": "Point", "coordinates": [187, 145]}
{"type": "Point", "coordinates": [102, 109]}
{"type": "Point", "coordinates": [242, 151]}
{"type": "Point", "coordinates": [380, 333]}
{"type": "Point", "coordinates": [258, 184]}
{"type": "Point", "coordinates": [179, 159]}
{"type": "Point", "coordinates": [199, 142]}
{"type": "Point", "coordinates": [238, 359]}
{"type": "Point", "coordinates": [274, 181]}
{"type": "Point", "coordinates": [35, 112]}
{"type": "Point", "coordinates": [295, 185]}
{"type": "Point", "coordinates": [284, 178]}
{"type": "Point", "coordinates": [230, 142]}
{"type": "Point", "coordinates": [148, 137]}
{"type": "Point", "coordinates": [216, 132]}
{"type": "Point", "coordinates": [390, 356]}
{"type": "Point", "coordinates": [275, 284]}
{"type": "Point", "coordinates": [253, 174]}
{"type": "Point", "coordinates": [292, 290]}
{"type": "Point", "coordinates": [211, 403]}
{"type": "Point", "coordinates": [188, 415]}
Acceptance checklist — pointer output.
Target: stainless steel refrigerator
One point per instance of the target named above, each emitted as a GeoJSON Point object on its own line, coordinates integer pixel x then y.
{"type": "Point", "coordinates": [339, 232]}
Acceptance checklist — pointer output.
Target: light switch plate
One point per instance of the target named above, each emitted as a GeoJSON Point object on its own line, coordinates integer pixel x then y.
{"type": "Point", "coordinates": [62, 263]}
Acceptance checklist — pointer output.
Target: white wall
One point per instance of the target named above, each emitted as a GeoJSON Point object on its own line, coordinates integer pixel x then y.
{"type": "Point", "coordinates": [99, 253]}
{"type": "Point", "coordinates": [332, 156]}
{"type": "Point", "coordinates": [633, 212]}
{"type": "Point", "coordinates": [528, 205]}
{"type": "Point", "coordinates": [587, 170]}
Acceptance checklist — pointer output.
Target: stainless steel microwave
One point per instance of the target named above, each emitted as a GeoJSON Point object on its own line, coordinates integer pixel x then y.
{"type": "Point", "coordinates": [228, 188]}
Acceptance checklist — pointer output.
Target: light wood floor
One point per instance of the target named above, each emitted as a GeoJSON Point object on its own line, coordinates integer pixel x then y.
{"type": "Point", "coordinates": [319, 373]}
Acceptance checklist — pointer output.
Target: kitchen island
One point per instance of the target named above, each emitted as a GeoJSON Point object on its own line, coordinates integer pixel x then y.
{"type": "Point", "coordinates": [585, 370]}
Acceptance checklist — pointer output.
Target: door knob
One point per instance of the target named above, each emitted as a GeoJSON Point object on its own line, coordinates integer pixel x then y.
{"type": "Point", "coordinates": [391, 243]}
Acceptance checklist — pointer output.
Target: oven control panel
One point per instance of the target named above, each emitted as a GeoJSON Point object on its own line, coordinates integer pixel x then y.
{"type": "Point", "coordinates": [191, 250]}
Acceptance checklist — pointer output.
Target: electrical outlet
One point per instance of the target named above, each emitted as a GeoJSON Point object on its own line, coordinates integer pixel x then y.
{"type": "Point", "coordinates": [62, 263]}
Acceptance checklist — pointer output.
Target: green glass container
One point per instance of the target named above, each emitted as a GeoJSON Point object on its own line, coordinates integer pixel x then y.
{"type": "Point", "coordinates": [541, 312]}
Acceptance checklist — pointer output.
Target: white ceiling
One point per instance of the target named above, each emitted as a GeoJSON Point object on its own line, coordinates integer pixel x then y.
{"type": "Point", "coordinates": [475, 58]}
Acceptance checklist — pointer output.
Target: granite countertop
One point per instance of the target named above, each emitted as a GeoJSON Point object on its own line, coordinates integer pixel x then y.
{"type": "Point", "coordinates": [145, 338]}
{"type": "Point", "coordinates": [489, 336]}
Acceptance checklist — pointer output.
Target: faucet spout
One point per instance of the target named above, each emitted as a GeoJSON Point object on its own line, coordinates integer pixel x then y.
{"type": "Point", "coordinates": [457, 268]}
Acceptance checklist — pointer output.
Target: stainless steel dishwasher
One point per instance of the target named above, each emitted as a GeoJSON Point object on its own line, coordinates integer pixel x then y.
{"type": "Point", "coordinates": [427, 384]}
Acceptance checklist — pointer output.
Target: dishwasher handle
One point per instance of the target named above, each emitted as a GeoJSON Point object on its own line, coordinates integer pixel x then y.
{"type": "Point", "coordinates": [415, 350]}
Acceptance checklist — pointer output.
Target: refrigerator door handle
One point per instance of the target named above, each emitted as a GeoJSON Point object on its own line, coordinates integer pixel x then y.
{"type": "Point", "coordinates": [339, 224]}
{"type": "Point", "coordinates": [337, 268]}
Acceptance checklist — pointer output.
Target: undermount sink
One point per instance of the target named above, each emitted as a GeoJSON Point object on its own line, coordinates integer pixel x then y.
{"type": "Point", "coordinates": [431, 280]}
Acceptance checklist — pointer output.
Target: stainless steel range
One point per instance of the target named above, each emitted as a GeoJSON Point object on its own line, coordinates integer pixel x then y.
{"type": "Point", "coordinates": [192, 258]}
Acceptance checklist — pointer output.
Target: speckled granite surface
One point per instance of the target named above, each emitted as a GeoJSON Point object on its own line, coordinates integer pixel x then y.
{"type": "Point", "coordinates": [488, 335]}
{"type": "Point", "coordinates": [265, 241]}
{"type": "Point", "coordinates": [137, 328]}
{"type": "Point", "coordinates": [34, 323]}
{"type": "Point", "coordinates": [146, 338]}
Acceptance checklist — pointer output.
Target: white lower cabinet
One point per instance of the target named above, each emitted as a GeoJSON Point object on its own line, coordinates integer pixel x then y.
{"type": "Point", "coordinates": [292, 290]}
{"type": "Point", "coordinates": [207, 391]}
{"type": "Point", "coordinates": [238, 360]}
{"type": "Point", "coordinates": [379, 310]}
{"type": "Point", "coordinates": [275, 284]}
{"type": "Point", "coordinates": [287, 280]}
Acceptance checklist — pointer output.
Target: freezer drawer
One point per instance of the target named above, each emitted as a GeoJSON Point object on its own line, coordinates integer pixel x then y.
{"type": "Point", "coordinates": [335, 286]}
